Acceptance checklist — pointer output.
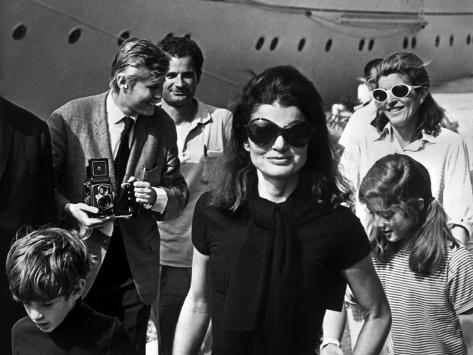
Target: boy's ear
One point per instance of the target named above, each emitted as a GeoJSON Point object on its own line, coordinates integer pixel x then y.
{"type": "Point", "coordinates": [78, 289]}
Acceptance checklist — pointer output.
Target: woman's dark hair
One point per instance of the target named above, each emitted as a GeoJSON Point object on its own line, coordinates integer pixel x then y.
{"type": "Point", "coordinates": [400, 181]}
{"type": "Point", "coordinates": [286, 86]}
{"type": "Point", "coordinates": [430, 114]}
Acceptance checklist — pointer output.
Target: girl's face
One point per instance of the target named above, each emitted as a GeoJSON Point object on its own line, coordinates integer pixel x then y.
{"type": "Point", "coordinates": [392, 222]}
{"type": "Point", "coordinates": [401, 111]}
{"type": "Point", "coordinates": [278, 159]}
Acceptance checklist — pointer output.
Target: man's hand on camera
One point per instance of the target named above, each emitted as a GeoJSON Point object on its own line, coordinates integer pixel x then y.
{"type": "Point", "coordinates": [331, 349]}
{"type": "Point", "coordinates": [80, 211]}
{"type": "Point", "coordinates": [144, 192]}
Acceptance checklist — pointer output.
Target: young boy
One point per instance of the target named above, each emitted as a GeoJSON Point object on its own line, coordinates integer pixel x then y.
{"type": "Point", "coordinates": [46, 270]}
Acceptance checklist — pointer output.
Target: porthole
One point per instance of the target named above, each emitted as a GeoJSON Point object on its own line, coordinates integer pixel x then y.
{"type": "Point", "coordinates": [123, 37]}
{"type": "Point", "coordinates": [468, 39]}
{"type": "Point", "coordinates": [273, 43]}
{"type": "Point", "coordinates": [74, 35]}
{"type": "Point", "coordinates": [187, 35]}
{"type": "Point", "coordinates": [301, 44]}
{"type": "Point", "coordinates": [452, 38]}
{"type": "Point", "coordinates": [19, 32]}
{"type": "Point", "coordinates": [437, 41]}
{"type": "Point", "coordinates": [361, 44]}
{"type": "Point", "coordinates": [405, 43]}
{"type": "Point", "coordinates": [259, 43]}
{"type": "Point", "coordinates": [328, 45]}
{"type": "Point", "coordinates": [371, 44]}
{"type": "Point", "coordinates": [413, 42]}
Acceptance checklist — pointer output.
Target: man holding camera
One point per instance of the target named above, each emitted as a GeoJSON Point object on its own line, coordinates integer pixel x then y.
{"type": "Point", "coordinates": [138, 140]}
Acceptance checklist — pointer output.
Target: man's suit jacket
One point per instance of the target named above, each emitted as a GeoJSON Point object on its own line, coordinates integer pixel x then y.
{"type": "Point", "coordinates": [26, 193]}
{"type": "Point", "coordinates": [26, 179]}
{"type": "Point", "coordinates": [79, 132]}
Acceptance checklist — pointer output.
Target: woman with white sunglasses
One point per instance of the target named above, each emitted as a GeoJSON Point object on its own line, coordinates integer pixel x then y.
{"type": "Point", "coordinates": [409, 122]}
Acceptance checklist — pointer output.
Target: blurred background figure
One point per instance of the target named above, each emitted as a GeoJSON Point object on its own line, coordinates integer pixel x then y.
{"type": "Point", "coordinates": [366, 111]}
{"type": "Point", "coordinates": [367, 82]}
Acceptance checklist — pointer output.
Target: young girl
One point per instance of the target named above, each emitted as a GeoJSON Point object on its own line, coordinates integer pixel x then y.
{"type": "Point", "coordinates": [427, 277]}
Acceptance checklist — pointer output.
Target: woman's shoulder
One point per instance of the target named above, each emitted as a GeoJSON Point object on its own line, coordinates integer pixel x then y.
{"type": "Point", "coordinates": [207, 207]}
{"type": "Point", "coordinates": [203, 200]}
{"type": "Point", "coordinates": [343, 221]}
{"type": "Point", "coordinates": [341, 212]}
{"type": "Point", "coordinates": [447, 136]}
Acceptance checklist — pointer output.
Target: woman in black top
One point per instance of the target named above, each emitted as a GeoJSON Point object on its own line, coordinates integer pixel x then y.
{"type": "Point", "coordinates": [273, 246]}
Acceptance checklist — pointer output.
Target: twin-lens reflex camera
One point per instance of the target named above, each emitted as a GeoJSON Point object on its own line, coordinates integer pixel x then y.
{"type": "Point", "coordinates": [99, 192]}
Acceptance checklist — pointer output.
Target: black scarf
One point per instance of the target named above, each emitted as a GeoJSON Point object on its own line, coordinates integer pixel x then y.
{"type": "Point", "coordinates": [266, 281]}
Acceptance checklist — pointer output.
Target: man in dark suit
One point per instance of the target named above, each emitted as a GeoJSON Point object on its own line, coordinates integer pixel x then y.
{"type": "Point", "coordinates": [139, 140]}
{"type": "Point", "coordinates": [26, 192]}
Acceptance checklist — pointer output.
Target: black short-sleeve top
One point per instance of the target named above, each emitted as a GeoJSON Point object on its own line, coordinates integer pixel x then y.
{"type": "Point", "coordinates": [330, 244]}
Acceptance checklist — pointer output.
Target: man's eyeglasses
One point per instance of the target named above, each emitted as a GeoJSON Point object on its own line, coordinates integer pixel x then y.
{"type": "Point", "coordinates": [262, 131]}
{"type": "Point", "coordinates": [398, 90]}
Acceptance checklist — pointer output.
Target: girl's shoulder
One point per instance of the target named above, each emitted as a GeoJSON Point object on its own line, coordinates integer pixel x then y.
{"type": "Point", "coordinates": [459, 257]}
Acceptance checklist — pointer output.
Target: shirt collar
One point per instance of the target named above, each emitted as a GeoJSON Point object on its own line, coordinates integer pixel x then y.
{"type": "Point", "coordinates": [387, 133]}
{"type": "Point", "coordinates": [114, 114]}
{"type": "Point", "coordinates": [202, 115]}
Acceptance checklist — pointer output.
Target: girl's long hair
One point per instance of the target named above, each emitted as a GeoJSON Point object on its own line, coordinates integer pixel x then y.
{"type": "Point", "coordinates": [400, 181]}
{"type": "Point", "coordinates": [286, 86]}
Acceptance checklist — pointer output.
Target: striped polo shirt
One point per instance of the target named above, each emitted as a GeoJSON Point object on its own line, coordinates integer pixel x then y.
{"type": "Point", "coordinates": [425, 309]}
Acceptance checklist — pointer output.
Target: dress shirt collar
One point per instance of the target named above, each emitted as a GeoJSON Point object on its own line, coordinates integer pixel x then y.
{"type": "Point", "coordinates": [114, 114]}
{"type": "Point", "coordinates": [388, 134]}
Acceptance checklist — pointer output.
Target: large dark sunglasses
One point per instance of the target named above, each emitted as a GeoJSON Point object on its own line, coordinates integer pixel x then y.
{"type": "Point", "coordinates": [398, 90]}
{"type": "Point", "coordinates": [262, 131]}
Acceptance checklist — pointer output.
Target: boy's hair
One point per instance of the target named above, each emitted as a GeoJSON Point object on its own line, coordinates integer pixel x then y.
{"type": "Point", "coordinates": [401, 181]}
{"type": "Point", "coordinates": [46, 264]}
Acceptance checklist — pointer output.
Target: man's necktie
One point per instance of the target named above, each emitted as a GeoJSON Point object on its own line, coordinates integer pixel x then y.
{"type": "Point", "coordinates": [123, 153]}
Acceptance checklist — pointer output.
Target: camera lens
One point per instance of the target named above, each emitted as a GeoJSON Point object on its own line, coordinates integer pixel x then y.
{"type": "Point", "coordinates": [103, 190]}
{"type": "Point", "coordinates": [104, 202]}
